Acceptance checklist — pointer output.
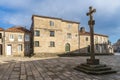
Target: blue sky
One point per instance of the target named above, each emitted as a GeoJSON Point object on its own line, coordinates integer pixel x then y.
{"type": "Point", "coordinates": [107, 16]}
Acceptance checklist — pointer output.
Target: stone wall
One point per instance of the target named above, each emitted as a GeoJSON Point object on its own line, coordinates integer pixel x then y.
{"type": "Point", "coordinates": [61, 29]}
{"type": "Point", "coordinates": [14, 44]}
{"type": "Point", "coordinates": [100, 42]}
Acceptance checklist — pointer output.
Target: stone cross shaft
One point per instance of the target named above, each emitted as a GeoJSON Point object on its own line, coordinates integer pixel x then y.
{"type": "Point", "coordinates": [91, 23]}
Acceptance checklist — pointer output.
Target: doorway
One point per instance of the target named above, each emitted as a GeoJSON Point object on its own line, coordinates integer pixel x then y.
{"type": "Point", "coordinates": [88, 48]}
{"type": "Point", "coordinates": [9, 49]}
{"type": "Point", "coordinates": [67, 47]}
{"type": "Point", "coordinates": [1, 49]}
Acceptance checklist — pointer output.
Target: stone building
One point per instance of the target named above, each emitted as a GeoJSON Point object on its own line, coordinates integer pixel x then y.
{"type": "Point", "coordinates": [54, 35]}
{"type": "Point", "coordinates": [15, 41]}
{"type": "Point", "coordinates": [1, 41]}
{"type": "Point", "coordinates": [116, 46]}
{"type": "Point", "coordinates": [100, 41]}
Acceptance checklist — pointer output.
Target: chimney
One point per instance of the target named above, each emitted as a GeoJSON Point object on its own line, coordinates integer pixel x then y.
{"type": "Point", "coordinates": [82, 30]}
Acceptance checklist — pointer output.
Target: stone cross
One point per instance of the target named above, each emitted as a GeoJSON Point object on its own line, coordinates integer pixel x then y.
{"type": "Point", "coordinates": [93, 65]}
{"type": "Point", "coordinates": [91, 23]}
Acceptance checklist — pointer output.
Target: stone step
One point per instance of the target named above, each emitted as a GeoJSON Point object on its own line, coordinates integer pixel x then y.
{"type": "Point", "coordinates": [95, 69]}
{"type": "Point", "coordinates": [94, 66]}
{"type": "Point", "coordinates": [95, 72]}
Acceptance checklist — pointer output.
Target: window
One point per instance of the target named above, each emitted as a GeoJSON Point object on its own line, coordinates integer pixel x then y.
{"type": "Point", "coordinates": [19, 37]}
{"type": "Point", "coordinates": [69, 35]}
{"type": "Point", "coordinates": [52, 44]}
{"type": "Point", "coordinates": [104, 46]}
{"type": "Point", "coordinates": [86, 38]}
{"type": "Point", "coordinates": [0, 35]}
{"type": "Point", "coordinates": [69, 26]}
{"type": "Point", "coordinates": [97, 47]}
{"type": "Point", "coordinates": [37, 33]}
{"type": "Point", "coordinates": [27, 47]}
{"type": "Point", "coordinates": [101, 39]}
{"type": "Point", "coordinates": [36, 44]}
{"type": "Point", "coordinates": [52, 33]}
{"type": "Point", "coordinates": [51, 23]}
{"type": "Point", "coordinates": [27, 37]}
{"type": "Point", "coordinates": [11, 37]}
{"type": "Point", "coordinates": [19, 47]}
{"type": "Point", "coordinates": [96, 40]}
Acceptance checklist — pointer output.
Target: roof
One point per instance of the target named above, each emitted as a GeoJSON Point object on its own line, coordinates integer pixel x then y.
{"type": "Point", "coordinates": [55, 18]}
{"type": "Point", "coordinates": [1, 29]}
{"type": "Point", "coordinates": [88, 33]}
{"type": "Point", "coordinates": [17, 29]}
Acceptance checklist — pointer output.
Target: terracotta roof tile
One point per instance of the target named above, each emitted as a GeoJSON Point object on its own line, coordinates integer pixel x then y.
{"type": "Point", "coordinates": [1, 29]}
{"type": "Point", "coordinates": [17, 29]}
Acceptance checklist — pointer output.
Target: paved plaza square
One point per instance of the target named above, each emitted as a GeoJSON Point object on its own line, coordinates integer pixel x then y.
{"type": "Point", "coordinates": [57, 68]}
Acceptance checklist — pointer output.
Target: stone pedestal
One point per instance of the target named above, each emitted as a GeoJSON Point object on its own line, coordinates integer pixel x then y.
{"type": "Point", "coordinates": [93, 62]}
{"type": "Point", "coordinates": [94, 67]}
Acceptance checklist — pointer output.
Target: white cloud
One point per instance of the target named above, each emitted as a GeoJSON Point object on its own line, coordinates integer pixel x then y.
{"type": "Point", "coordinates": [67, 9]}
{"type": "Point", "coordinates": [18, 19]}
{"type": "Point", "coordinates": [107, 7]}
{"type": "Point", "coordinates": [16, 3]}
{"type": "Point", "coordinates": [51, 6]}
{"type": "Point", "coordinates": [70, 9]}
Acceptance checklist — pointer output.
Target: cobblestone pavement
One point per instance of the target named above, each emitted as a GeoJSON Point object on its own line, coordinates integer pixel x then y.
{"type": "Point", "coordinates": [53, 68]}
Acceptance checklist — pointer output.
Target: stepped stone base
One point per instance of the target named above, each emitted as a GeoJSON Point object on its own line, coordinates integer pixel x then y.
{"type": "Point", "coordinates": [98, 69]}
{"type": "Point", "coordinates": [94, 67]}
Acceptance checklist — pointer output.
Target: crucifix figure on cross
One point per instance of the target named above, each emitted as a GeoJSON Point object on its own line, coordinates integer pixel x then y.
{"type": "Point", "coordinates": [91, 23]}
{"type": "Point", "coordinates": [91, 11]}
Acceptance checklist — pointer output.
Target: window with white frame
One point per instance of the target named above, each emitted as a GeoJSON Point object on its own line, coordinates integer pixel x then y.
{"type": "Point", "coordinates": [19, 37]}
{"type": "Point", "coordinates": [11, 37]}
{"type": "Point", "coordinates": [19, 47]}
{"type": "Point", "coordinates": [51, 23]}
{"type": "Point", "coordinates": [69, 26]}
{"type": "Point", "coordinates": [27, 37]}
